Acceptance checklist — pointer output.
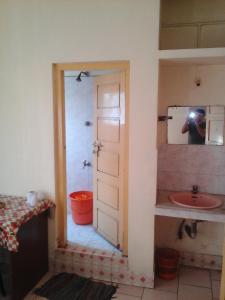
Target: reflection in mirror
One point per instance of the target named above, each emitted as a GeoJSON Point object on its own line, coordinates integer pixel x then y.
{"type": "Point", "coordinates": [199, 125]}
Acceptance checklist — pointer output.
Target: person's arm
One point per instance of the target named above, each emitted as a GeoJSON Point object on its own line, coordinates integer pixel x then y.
{"type": "Point", "coordinates": [200, 129]}
{"type": "Point", "coordinates": [185, 127]}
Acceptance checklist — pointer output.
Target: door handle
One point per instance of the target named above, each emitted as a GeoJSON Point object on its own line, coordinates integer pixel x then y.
{"type": "Point", "coordinates": [97, 144]}
{"type": "Point", "coordinates": [97, 147]}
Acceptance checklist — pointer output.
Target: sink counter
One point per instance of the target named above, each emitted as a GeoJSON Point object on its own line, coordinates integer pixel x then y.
{"type": "Point", "coordinates": [164, 207]}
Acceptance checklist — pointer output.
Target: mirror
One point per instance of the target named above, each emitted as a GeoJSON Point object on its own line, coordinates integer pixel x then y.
{"type": "Point", "coordinates": [196, 125]}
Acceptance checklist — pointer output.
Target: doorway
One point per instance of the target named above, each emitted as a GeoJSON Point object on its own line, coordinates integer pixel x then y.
{"type": "Point", "coordinates": [91, 147]}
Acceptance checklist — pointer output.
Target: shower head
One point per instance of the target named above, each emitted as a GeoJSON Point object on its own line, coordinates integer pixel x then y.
{"type": "Point", "coordinates": [79, 78]}
{"type": "Point", "coordinates": [86, 73]}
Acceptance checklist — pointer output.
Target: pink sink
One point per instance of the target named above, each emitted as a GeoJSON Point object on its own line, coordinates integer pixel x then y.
{"type": "Point", "coordinates": [200, 201]}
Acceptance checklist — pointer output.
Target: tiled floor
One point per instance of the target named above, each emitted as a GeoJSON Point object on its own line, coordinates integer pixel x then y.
{"type": "Point", "coordinates": [192, 284]}
{"type": "Point", "coordinates": [85, 235]}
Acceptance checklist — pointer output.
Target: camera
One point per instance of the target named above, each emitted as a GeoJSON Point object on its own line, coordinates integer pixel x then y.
{"type": "Point", "coordinates": [192, 115]}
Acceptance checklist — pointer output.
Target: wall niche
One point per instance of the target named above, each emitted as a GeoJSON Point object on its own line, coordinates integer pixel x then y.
{"type": "Point", "coordinates": [192, 24]}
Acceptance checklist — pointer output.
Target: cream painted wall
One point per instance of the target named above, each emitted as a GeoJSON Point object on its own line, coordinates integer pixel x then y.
{"type": "Point", "coordinates": [36, 33]}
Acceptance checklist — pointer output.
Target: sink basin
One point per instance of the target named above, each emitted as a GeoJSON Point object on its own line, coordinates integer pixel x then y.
{"type": "Point", "coordinates": [199, 200]}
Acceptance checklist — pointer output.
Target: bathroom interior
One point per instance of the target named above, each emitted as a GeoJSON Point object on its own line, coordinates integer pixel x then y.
{"type": "Point", "coordinates": [182, 166]}
{"type": "Point", "coordinates": [191, 56]}
{"type": "Point", "coordinates": [79, 118]}
{"type": "Point", "coordinates": [187, 84]}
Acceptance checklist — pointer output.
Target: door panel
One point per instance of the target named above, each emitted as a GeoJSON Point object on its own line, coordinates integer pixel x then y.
{"type": "Point", "coordinates": [108, 163]}
{"type": "Point", "coordinates": [216, 131]}
{"type": "Point", "coordinates": [180, 37]}
{"type": "Point", "coordinates": [107, 226]}
{"type": "Point", "coordinates": [215, 125]}
{"type": "Point", "coordinates": [108, 130]}
{"type": "Point", "coordinates": [108, 194]}
{"type": "Point", "coordinates": [109, 157]}
{"type": "Point", "coordinates": [212, 35]}
{"type": "Point", "coordinates": [108, 95]}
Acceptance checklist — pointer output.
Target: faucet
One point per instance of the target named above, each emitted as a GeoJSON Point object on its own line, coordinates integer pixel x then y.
{"type": "Point", "coordinates": [86, 163]}
{"type": "Point", "coordinates": [194, 189]}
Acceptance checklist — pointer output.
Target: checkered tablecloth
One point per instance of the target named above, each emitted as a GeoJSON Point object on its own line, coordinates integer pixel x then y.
{"type": "Point", "coordinates": [17, 212]}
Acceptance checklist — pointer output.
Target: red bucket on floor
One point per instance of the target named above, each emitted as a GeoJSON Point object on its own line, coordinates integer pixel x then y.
{"type": "Point", "coordinates": [82, 207]}
{"type": "Point", "coordinates": [167, 261]}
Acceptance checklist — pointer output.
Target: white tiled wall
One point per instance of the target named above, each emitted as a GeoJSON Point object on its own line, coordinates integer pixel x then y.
{"type": "Point", "coordinates": [79, 138]}
{"type": "Point", "coordinates": [99, 264]}
{"type": "Point", "coordinates": [181, 166]}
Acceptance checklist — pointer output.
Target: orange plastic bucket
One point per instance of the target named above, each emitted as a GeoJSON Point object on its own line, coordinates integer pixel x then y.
{"type": "Point", "coordinates": [167, 261]}
{"type": "Point", "coordinates": [82, 207]}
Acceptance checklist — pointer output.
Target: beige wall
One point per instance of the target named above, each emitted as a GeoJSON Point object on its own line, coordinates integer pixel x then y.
{"type": "Point", "coordinates": [177, 87]}
{"type": "Point", "coordinates": [35, 34]}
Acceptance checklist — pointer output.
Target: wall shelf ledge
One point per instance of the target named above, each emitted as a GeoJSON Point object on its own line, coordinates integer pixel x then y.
{"type": "Point", "coordinates": [192, 56]}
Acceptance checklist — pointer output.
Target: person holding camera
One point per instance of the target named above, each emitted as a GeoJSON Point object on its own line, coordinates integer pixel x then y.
{"type": "Point", "coordinates": [195, 125]}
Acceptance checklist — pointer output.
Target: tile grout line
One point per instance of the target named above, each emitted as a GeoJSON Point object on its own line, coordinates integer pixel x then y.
{"type": "Point", "coordinates": [144, 289]}
{"type": "Point", "coordinates": [210, 275]}
{"type": "Point", "coordinates": [178, 281]}
{"type": "Point", "coordinates": [198, 286]}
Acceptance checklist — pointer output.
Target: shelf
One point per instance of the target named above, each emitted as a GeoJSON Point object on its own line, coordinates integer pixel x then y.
{"type": "Point", "coordinates": [166, 208]}
{"type": "Point", "coordinates": [192, 56]}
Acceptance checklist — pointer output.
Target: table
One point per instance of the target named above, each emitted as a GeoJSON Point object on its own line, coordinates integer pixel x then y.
{"type": "Point", "coordinates": [24, 245]}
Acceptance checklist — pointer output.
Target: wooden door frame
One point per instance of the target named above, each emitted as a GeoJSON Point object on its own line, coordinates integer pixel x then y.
{"type": "Point", "coordinates": [60, 140]}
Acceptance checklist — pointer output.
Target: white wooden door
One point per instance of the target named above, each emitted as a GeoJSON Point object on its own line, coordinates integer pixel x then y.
{"type": "Point", "coordinates": [109, 157]}
{"type": "Point", "coordinates": [215, 125]}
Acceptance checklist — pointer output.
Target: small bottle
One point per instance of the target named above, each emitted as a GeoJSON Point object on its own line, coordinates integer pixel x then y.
{"type": "Point", "coordinates": [32, 198]}
{"type": "Point", "coordinates": [40, 195]}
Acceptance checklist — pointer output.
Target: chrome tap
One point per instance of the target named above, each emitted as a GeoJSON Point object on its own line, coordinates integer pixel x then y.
{"type": "Point", "coordinates": [194, 189]}
{"type": "Point", "coordinates": [86, 163]}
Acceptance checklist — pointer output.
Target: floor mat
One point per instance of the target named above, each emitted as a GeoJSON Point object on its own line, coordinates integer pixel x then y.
{"type": "Point", "coordinates": [73, 287]}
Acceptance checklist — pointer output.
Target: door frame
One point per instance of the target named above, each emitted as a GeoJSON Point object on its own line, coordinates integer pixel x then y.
{"type": "Point", "coordinates": [60, 140]}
